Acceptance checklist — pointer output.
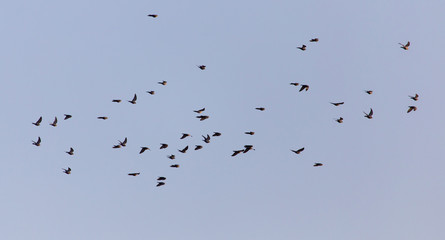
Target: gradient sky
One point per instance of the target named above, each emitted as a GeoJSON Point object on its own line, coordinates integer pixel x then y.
{"type": "Point", "coordinates": [382, 178]}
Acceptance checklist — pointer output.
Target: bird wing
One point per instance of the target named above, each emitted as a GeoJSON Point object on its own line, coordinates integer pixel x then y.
{"type": "Point", "coordinates": [55, 120]}
{"type": "Point", "coordinates": [39, 121]}
{"type": "Point", "coordinates": [407, 44]}
{"type": "Point", "coordinates": [371, 112]}
{"type": "Point", "coordinates": [135, 98]}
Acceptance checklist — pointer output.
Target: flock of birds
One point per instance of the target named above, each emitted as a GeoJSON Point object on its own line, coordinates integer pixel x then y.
{"type": "Point", "coordinates": [206, 138]}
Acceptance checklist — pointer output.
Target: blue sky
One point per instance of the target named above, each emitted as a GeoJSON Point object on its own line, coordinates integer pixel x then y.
{"type": "Point", "coordinates": [382, 178]}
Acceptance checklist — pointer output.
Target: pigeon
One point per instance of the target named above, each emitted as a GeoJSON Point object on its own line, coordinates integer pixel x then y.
{"type": "Point", "coordinates": [314, 40]}
{"type": "Point", "coordinates": [71, 152]}
{"type": "Point", "coordinates": [54, 124]}
{"type": "Point", "coordinates": [202, 117]}
{"type": "Point", "coordinates": [37, 123]}
{"type": "Point", "coordinates": [103, 118]}
{"type": "Point", "coordinates": [143, 149]}
{"type": "Point", "coordinates": [134, 174]}
{"type": "Point", "coordinates": [206, 139]}
{"type": "Point", "coordinates": [412, 108]}
{"type": "Point", "coordinates": [163, 83]}
{"type": "Point", "coordinates": [67, 116]}
{"type": "Point", "coordinates": [202, 67]}
{"type": "Point", "coordinates": [415, 98]}
{"type": "Point", "coordinates": [405, 47]}
{"type": "Point", "coordinates": [67, 171]}
{"type": "Point", "coordinates": [304, 87]}
{"type": "Point", "coordinates": [369, 115]}
{"type": "Point", "coordinates": [116, 100]}
{"type": "Point", "coordinates": [184, 135]}
{"type": "Point", "coordinates": [302, 48]}
{"type": "Point", "coordinates": [37, 143]}
{"type": "Point", "coordinates": [216, 134]}
{"type": "Point", "coordinates": [249, 133]}
{"type": "Point", "coordinates": [318, 164]}
{"type": "Point", "coordinates": [198, 147]}
{"type": "Point", "coordinates": [260, 108]}
{"type": "Point", "coordinates": [134, 99]}
{"type": "Point", "coordinates": [338, 103]}
{"type": "Point", "coordinates": [153, 15]}
{"type": "Point", "coordinates": [298, 151]}
{"type": "Point", "coordinates": [200, 110]}
{"type": "Point", "coordinates": [184, 150]}
{"type": "Point", "coordinates": [163, 145]}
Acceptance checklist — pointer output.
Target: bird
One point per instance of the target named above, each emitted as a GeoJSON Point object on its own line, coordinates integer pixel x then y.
{"type": "Point", "coordinates": [175, 166]}
{"type": "Point", "coordinates": [206, 139]}
{"type": "Point", "coordinates": [412, 108]}
{"type": "Point", "coordinates": [198, 147]}
{"type": "Point", "coordinates": [202, 117]}
{"type": "Point", "coordinates": [134, 99]}
{"type": "Point", "coordinates": [294, 83]}
{"type": "Point", "coordinates": [103, 118]}
{"type": "Point", "coordinates": [67, 116]}
{"type": "Point", "coordinates": [318, 164]}
{"type": "Point", "coordinates": [216, 134]}
{"type": "Point", "coordinates": [304, 87]}
{"type": "Point", "coordinates": [162, 178]}
{"type": "Point", "coordinates": [236, 152]}
{"type": "Point", "coordinates": [249, 133]}
{"type": "Point", "coordinates": [71, 151]}
{"type": "Point", "coordinates": [302, 48]}
{"type": "Point", "coordinates": [338, 103]}
{"type": "Point", "coordinates": [163, 83]}
{"type": "Point", "coordinates": [37, 143]}
{"type": "Point", "coordinates": [116, 100]}
{"type": "Point", "coordinates": [200, 110]}
{"type": "Point", "coordinates": [298, 151]}
{"type": "Point", "coordinates": [172, 157]}
{"type": "Point", "coordinates": [161, 183]}
{"type": "Point", "coordinates": [368, 92]}
{"type": "Point", "coordinates": [134, 174]}
{"type": "Point", "coordinates": [117, 146]}
{"type": "Point", "coordinates": [184, 135]}
{"type": "Point", "coordinates": [339, 120]}
{"type": "Point", "coordinates": [54, 124]}
{"type": "Point", "coordinates": [67, 171]}
{"type": "Point", "coordinates": [37, 123]}
{"type": "Point", "coordinates": [151, 92]}
{"type": "Point", "coordinates": [260, 108]}
{"type": "Point", "coordinates": [184, 150]}
{"type": "Point", "coordinates": [153, 15]}
{"type": "Point", "coordinates": [405, 47]}
{"type": "Point", "coordinates": [143, 149]}
{"type": "Point", "coordinates": [163, 145]}
{"type": "Point", "coordinates": [314, 40]}
{"type": "Point", "coordinates": [124, 143]}
{"type": "Point", "coordinates": [415, 98]}
{"type": "Point", "coordinates": [247, 148]}
{"type": "Point", "coordinates": [202, 67]}
{"type": "Point", "coordinates": [369, 115]}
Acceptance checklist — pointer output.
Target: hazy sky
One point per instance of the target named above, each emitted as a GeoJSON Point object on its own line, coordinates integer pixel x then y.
{"type": "Point", "coordinates": [383, 178]}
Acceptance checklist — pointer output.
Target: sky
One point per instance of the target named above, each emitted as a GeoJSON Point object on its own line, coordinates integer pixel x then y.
{"type": "Point", "coordinates": [382, 178]}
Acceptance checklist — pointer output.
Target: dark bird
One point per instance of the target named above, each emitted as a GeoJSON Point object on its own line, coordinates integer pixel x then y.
{"type": "Point", "coordinates": [116, 100]}
{"type": "Point", "coordinates": [294, 83]}
{"type": "Point", "coordinates": [54, 124]}
{"type": "Point", "coordinates": [124, 143]}
{"type": "Point", "coordinates": [314, 40]}
{"type": "Point", "coordinates": [172, 157]}
{"type": "Point", "coordinates": [134, 174]}
{"type": "Point", "coordinates": [206, 139]}
{"type": "Point", "coordinates": [143, 149]}
{"type": "Point", "coordinates": [298, 151]}
{"type": "Point", "coordinates": [163, 145]}
{"type": "Point", "coordinates": [198, 147]}
{"type": "Point", "coordinates": [162, 178]}
{"type": "Point", "coordinates": [249, 133]}
{"type": "Point", "coordinates": [202, 67]}
{"type": "Point", "coordinates": [368, 92]}
{"type": "Point", "coordinates": [67, 171]}
{"type": "Point", "coordinates": [202, 117]}
{"type": "Point", "coordinates": [304, 87]}
{"type": "Point", "coordinates": [302, 48]}
{"type": "Point", "coordinates": [153, 15]}
{"type": "Point", "coordinates": [318, 164]}
{"type": "Point", "coordinates": [369, 115]}
{"type": "Point", "coordinates": [37, 143]}
{"type": "Point", "coordinates": [151, 92]}
{"type": "Point", "coordinates": [134, 99]}
{"type": "Point", "coordinates": [184, 150]}
{"type": "Point", "coordinates": [236, 152]}
{"type": "Point", "coordinates": [247, 148]}
{"type": "Point", "coordinates": [415, 98]}
{"type": "Point", "coordinates": [412, 108]}
{"type": "Point", "coordinates": [216, 134]}
{"type": "Point", "coordinates": [184, 135]}
{"type": "Point", "coordinates": [175, 166]}
{"type": "Point", "coordinates": [117, 146]}
{"type": "Point", "coordinates": [260, 108]}
{"type": "Point", "coordinates": [163, 83]}
{"type": "Point", "coordinates": [71, 151]}
{"type": "Point", "coordinates": [338, 103]}
{"type": "Point", "coordinates": [103, 118]}
{"type": "Point", "coordinates": [38, 122]}
{"type": "Point", "coordinates": [405, 47]}
{"type": "Point", "coordinates": [200, 110]}
{"type": "Point", "coordinates": [67, 116]}
{"type": "Point", "coordinates": [161, 183]}
{"type": "Point", "coordinates": [339, 120]}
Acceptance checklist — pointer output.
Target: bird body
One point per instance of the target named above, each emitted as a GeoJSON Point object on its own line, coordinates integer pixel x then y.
{"type": "Point", "coordinates": [216, 134]}
{"type": "Point", "coordinates": [67, 116]}
{"type": "Point", "coordinates": [172, 157]}
{"type": "Point", "coordinates": [202, 117]}
{"type": "Point", "coordinates": [236, 152]}
{"type": "Point", "coordinates": [37, 143]}
{"type": "Point", "coordinates": [200, 110]}
{"type": "Point", "coordinates": [160, 184]}
{"type": "Point", "coordinates": [206, 139]}
{"type": "Point", "coordinates": [54, 123]}
{"type": "Point", "coordinates": [405, 47]}
{"type": "Point", "coordinates": [133, 101]}
{"type": "Point", "coordinates": [116, 100]}
{"type": "Point", "coordinates": [134, 174]}
{"type": "Point", "coordinates": [302, 48]}
{"type": "Point", "coordinates": [153, 15]}
{"type": "Point", "coordinates": [294, 83]}
{"type": "Point", "coordinates": [304, 87]}
{"type": "Point", "coordinates": [260, 108]}
{"type": "Point", "coordinates": [184, 135]}
{"type": "Point", "coordinates": [175, 166]}
{"type": "Point", "coordinates": [202, 67]}
{"type": "Point", "coordinates": [318, 164]}
{"type": "Point", "coordinates": [369, 115]}
{"type": "Point", "coordinates": [415, 98]}
{"type": "Point", "coordinates": [368, 92]}
{"type": "Point", "coordinates": [314, 40]}
{"type": "Point", "coordinates": [197, 147]}
{"type": "Point", "coordinates": [339, 120]}
{"type": "Point", "coordinates": [163, 83]}
{"type": "Point", "coordinates": [71, 151]}
{"type": "Point", "coordinates": [412, 108]}
{"type": "Point", "coordinates": [298, 151]}
{"type": "Point", "coordinates": [338, 103]}
{"type": "Point", "coordinates": [37, 123]}
{"type": "Point", "coordinates": [184, 150]}
{"type": "Point", "coordinates": [163, 145]}
{"type": "Point", "coordinates": [143, 149]}
{"type": "Point", "coordinates": [103, 118]}
{"type": "Point", "coordinates": [247, 148]}
{"type": "Point", "coordinates": [162, 178]}
{"type": "Point", "coordinates": [124, 143]}
{"type": "Point", "coordinates": [249, 133]}
{"type": "Point", "coordinates": [151, 92]}
{"type": "Point", "coordinates": [67, 171]}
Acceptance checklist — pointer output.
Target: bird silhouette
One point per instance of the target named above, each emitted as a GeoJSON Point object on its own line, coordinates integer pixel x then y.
{"type": "Point", "coordinates": [116, 100]}
{"type": "Point", "coordinates": [37, 123]}
{"type": "Point", "coordinates": [153, 15]}
{"type": "Point", "coordinates": [124, 143]}
{"type": "Point", "coordinates": [103, 118]}
{"type": "Point", "coordinates": [339, 120]}
{"type": "Point", "coordinates": [318, 164]}
{"type": "Point", "coordinates": [67, 171]}
{"type": "Point", "coordinates": [294, 84]}
{"type": "Point", "coordinates": [175, 166]}
{"type": "Point", "coordinates": [368, 92]}
{"type": "Point", "coordinates": [151, 92]}
{"type": "Point", "coordinates": [314, 40]}
{"type": "Point", "coordinates": [338, 103]}
{"type": "Point", "coordinates": [369, 115]}
{"type": "Point", "coordinates": [67, 116]}
{"type": "Point", "coordinates": [197, 147]}
{"type": "Point", "coordinates": [162, 178]}
{"type": "Point", "coordinates": [202, 117]}
{"type": "Point", "coordinates": [415, 98]}
{"type": "Point", "coordinates": [202, 67]}
{"type": "Point", "coordinates": [412, 108]}
{"type": "Point", "coordinates": [247, 148]}
{"type": "Point", "coordinates": [37, 143]}
{"type": "Point", "coordinates": [184, 150]}
{"type": "Point", "coordinates": [206, 139]}
{"type": "Point", "coordinates": [161, 183]}
{"type": "Point", "coordinates": [298, 151]}
{"type": "Point", "coordinates": [54, 123]}
{"type": "Point", "coordinates": [117, 146]}
{"type": "Point", "coordinates": [260, 108]}
{"type": "Point", "coordinates": [71, 151]}
{"type": "Point", "coordinates": [216, 134]}
{"type": "Point", "coordinates": [163, 145]}
{"type": "Point", "coordinates": [143, 149]}
{"type": "Point", "coordinates": [249, 133]}
{"type": "Point", "coordinates": [302, 48]}
{"type": "Point", "coordinates": [184, 135]}
{"type": "Point", "coordinates": [133, 101]}
{"type": "Point", "coordinates": [304, 87]}
{"type": "Point", "coordinates": [405, 47]}
{"type": "Point", "coordinates": [134, 174]}
{"type": "Point", "coordinates": [163, 83]}
{"type": "Point", "coordinates": [172, 157]}
{"type": "Point", "coordinates": [236, 152]}
{"type": "Point", "coordinates": [200, 110]}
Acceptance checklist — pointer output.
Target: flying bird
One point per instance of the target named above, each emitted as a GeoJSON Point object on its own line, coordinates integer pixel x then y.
{"type": "Point", "coordinates": [202, 117]}
{"type": "Point", "coordinates": [314, 40]}
{"type": "Point", "coordinates": [162, 178]}
{"type": "Point", "coordinates": [54, 124]}
{"type": "Point", "coordinates": [124, 143]}
{"type": "Point", "coordinates": [368, 92]}
{"type": "Point", "coordinates": [405, 47]}
{"type": "Point", "coordinates": [172, 157]}
{"type": "Point", "coordinates": [298, 151]}
{"type": "Point", "coordinates": [302, 48]}
{"type": "Point", "coordinates": [71, 151]}
{"type": "Point", "coordinates": [249, 133]}
{"type": "Point", "coordinates": [153, 15]}
{"type": "Point", "coordinates": [247, 148]}
{"type": "Point", "coordinates": [260, 108]}
{"type": "Point", "coordinates": [134, 99]}
{"type": "Point", "coordinates": [200, 110]}
{"type": "Point", "coordinates": [116, 100]}
{"type": "Point", "coordinates": [216, 134]}
{"type": "Point", "coordinates": [412, 108]}
{"type": "Point", "coordinates": [37, 143]}
{"type": "Point", "coordinates": [236, 152]}
{"type": "Point", "coordinates": [294, 83]}
{"type": "Point", "coordinates": [151, 92]}
{"type": "Point", "coordinates": [175, 166]}
{"type": "Point", "coordinates": [318, 164]}
{"type": "Point", "coordinates": [103, 118]}
{"type": "Point", "coordinates": [134, 174]}
{"type": "Point", "coordinates": [415, 98]}
{"type": "Point", "coordinates": [67, 171]}
{"type": "Point", "coordinates": [339, 120]}
{"type": "Point", "coordinates": [161, 183]}
{"type": "Point", "coordinates": [198, 147]}
{"type": "Point", "coordinates": [304, 87]}
{"type": "Point", "coordinates": [37, 123]}
{"type": "Point", "coordinates": [163, 83]}
{"type": "Point", "coordinates": [143, 149]}
{"type": "Point", "coordinates": [67, 116]}
{"type": "Point", "coordinates": [163, 145]}
{"type": "Point", "coordinates": [202, 67]}
{"type": "Point", "coordinates": [184, 135]}
{"type": "Point", "coordinates": [206, 139]}
{"type": "Point", "coordinates": [369, 115]}
{"type": "Point", "coordinates": [117, 146]}
{"type": "Point", "coordinates": [338, 103]}
{"type": "Point", "coordinates": [184, 150]}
